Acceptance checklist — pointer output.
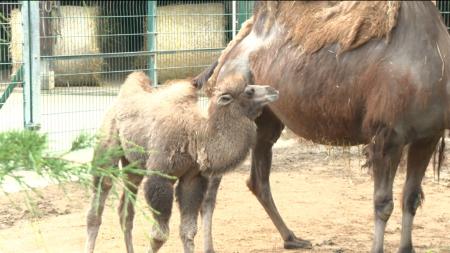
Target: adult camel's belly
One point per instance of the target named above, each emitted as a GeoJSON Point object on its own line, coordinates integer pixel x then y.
{"type": "Point", "coordinates": [321, 119]}
{"type": "Point", "coordinates": [322, 98]}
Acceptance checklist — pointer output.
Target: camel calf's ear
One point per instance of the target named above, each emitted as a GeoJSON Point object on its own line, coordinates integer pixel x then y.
{"type": "Point", "coordinates": [200, 80]}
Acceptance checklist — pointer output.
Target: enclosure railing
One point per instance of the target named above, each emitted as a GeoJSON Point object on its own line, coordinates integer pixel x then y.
{"type": "Point", "coordinates": [11, 68]}
{"type": "Point", "coordinates": [75, 54]}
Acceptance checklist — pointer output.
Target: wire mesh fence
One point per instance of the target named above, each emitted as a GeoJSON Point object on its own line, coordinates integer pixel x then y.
{"type": "Point", "coordinates": [11, 82]}
{"type": "Point", "coordinates": [87, 50]}
{"type": "Point", "coordinates": [444, 8]}
{"type": "Point", "coordinates": [89, 47]}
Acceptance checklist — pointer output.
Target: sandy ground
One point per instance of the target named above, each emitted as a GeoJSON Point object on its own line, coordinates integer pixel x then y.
{"type": "Point", "coordinates": [323, 195]}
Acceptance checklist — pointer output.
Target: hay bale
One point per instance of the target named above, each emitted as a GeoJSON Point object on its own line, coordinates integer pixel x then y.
{"type": "Point", "coordinates": [77, 36]}
{"type": "Point", "coordinates": [184, 27]}
{"type": "Point", "coordinates": [15, 48]}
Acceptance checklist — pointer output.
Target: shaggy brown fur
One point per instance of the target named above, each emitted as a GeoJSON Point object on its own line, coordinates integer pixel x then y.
{"type": "Point", "coordinates": [321, 23]}
{"type": "Point", "coordinates": [135, 83]}
{"type": "Point", "coordinates": [164, 130]}
{"type": "Point", "coordinates": [348, 23]}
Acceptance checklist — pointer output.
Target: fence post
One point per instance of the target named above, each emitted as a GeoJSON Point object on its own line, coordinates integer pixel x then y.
{"type": "Point", "coordinates": [26, 64]}
{"type": "Point", "coordinates": [151, 41]}
{"type": "Point", "coordinates": [31, 58]}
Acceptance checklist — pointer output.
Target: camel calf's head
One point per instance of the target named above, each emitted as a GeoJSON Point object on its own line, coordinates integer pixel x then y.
{"type": "Point", "coordinates": [236, 97]}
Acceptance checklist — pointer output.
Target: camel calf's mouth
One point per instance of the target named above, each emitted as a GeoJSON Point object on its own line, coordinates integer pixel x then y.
{"type": "Point", "coordinates": [262, 94]}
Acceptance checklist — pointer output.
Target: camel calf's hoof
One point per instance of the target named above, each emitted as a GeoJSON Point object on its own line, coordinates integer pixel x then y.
{"type": "Point", "coordinates": [296, 243]}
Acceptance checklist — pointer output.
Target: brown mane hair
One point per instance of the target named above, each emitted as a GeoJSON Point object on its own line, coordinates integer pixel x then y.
{"type": "Point", "coordinates": [349, 23]}
{"type": "Point", "coordinates": [245, 30]}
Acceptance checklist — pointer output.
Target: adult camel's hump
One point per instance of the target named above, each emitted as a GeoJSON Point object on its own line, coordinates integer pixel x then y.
{"type": "Point", "coordinates": [349, 23]}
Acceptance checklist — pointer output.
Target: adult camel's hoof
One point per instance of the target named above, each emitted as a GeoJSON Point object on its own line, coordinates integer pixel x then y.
{"type": "Point", "coordinates": [296, 243]}
{"type": "Point", "coordinates": [406, 250]}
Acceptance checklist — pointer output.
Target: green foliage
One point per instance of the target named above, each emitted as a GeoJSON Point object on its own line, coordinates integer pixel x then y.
{"type": "Point", "coordinates": [83, 141]}
{"type": "Point", "coordinates": [27, 151]}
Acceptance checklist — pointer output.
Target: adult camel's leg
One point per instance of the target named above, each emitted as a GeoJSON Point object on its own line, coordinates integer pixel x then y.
{"type": "Point", "coordinates": [126, 206]}
{"type": "Point", "coordinates": [419, 155]}
{"type": "Point", "coordinates": [384, 154]}
{"type": "Point", "coordinates": [190, 192]}
{"type": "Point", "coordinates": [269, 130]}
{"type": "Point", "coordinates": [207, 211]}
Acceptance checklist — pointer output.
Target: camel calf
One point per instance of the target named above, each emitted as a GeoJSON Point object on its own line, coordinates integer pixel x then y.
{"type": "Point", "coordinates": [177, 138]}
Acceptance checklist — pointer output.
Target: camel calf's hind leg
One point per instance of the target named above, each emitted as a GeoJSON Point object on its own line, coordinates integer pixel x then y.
{"type": "Point", "coordinates": [207, 211]}
{"type": "Point", "coordinates": [126, 206]}
{"type": "Point", "coordinates": [419, 155]}
{"type": "Point", "coordinates": [190, 192]}
{"type": "Point", "coordinates": [159, 196]}
{"type": "Point", "coordinates": [102, 186]}
{"type": "Point", "coordinates": [107, 158]}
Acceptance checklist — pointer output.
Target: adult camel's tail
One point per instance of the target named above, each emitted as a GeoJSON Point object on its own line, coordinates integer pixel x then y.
{"type": "Point", "coordinates": [438, 156]}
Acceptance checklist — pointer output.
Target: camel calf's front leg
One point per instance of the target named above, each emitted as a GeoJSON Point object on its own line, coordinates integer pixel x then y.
{"type": "Point", "coordinates": [207, 211]}
{"type": "Point", "coordinates": [159, 196]}
{"type": "Point", "coordinates": [126, 207]}
{"type": "Point", "coordinates": [190, 192]}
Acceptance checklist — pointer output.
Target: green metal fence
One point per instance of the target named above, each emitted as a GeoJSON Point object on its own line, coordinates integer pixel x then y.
{"type": "Point", "coordinates": [85, 49]}
{"type": "Point", "coordinates": [11, 73]}
{"type": "Point", "coordinates": [444, 8]}
{"type": "Point", "coordinates": [75, 54]}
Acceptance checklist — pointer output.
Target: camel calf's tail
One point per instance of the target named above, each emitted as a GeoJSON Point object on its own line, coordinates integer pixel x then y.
{"type": "Point", "coordinates": [136, 82]}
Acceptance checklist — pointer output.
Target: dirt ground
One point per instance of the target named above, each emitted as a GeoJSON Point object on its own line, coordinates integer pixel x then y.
{"type": "Point", "coordinates": [322, 193]}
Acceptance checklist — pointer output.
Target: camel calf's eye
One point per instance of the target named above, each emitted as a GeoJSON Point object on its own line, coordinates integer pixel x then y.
{"type": "Point", "coordinates": [224, 99]}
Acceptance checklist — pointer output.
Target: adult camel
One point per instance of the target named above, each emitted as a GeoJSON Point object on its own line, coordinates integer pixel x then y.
{"type": "Point", "coordinates": [348, 73]}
